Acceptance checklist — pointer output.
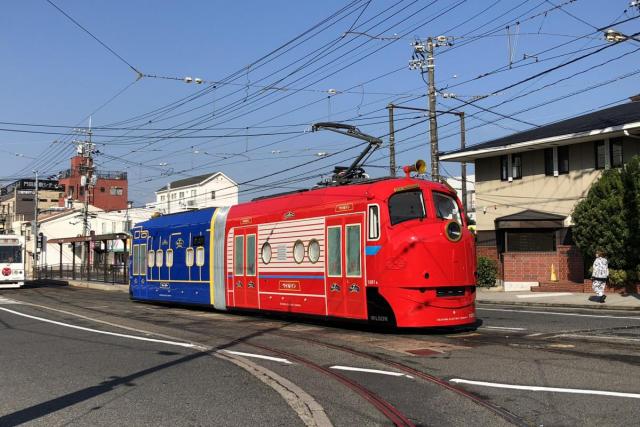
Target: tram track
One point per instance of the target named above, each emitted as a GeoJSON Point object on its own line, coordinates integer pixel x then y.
{"type": "Point", "coordinates": [495, 409]}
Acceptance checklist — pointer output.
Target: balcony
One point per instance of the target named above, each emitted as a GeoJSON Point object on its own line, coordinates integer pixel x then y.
{"type": "Point", "coordinates": [116, 175]}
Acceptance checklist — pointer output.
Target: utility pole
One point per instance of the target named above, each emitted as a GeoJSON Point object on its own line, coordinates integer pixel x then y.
{"type": "Point", "coordinates": [433, 124]}
{"type": "Point", "coordinates": [392, 143]}
{"type": "Point", "coordinates": [87, 153]}
{"type": "Point", "coordinates": [463, 165]}
{"type": "Point", "coordinates": [34, 230]}
{"type": "Point", "coordinates": [423, 60]}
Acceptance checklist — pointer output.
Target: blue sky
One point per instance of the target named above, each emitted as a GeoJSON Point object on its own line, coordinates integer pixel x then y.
{"type": "Point", "coordinates": [256, 122]}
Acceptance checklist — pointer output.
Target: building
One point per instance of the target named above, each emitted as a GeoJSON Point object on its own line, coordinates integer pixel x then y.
{"type": "Point", "coordinates": [17, 202]}
{"type": "Point", "coordinates": [105, 244]}
{"type": "Point", "coordinates": [203, 191]}
{"type": "Point", "coordinates": [102, 189]}
{"type": "Point", "coordinates": [456, 183]}
{"type": "Point", "coordinates": [528, 183]}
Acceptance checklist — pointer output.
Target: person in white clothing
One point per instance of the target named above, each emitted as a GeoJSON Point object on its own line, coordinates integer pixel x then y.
{"type": "Point", "coordinates": [600, 275]}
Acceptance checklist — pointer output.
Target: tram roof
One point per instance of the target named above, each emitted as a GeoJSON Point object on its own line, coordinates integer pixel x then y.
{"type": "Point", "coordinates": [200, 216]}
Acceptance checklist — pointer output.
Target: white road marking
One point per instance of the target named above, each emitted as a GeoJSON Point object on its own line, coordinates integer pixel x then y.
{"type": "Point", "coordinates": [115, 334]}
{"type": "Point", "coordinates": [257, 356]}
{"type": "Point", "coordinates": [600, 337]}
{"type": "Point", "coordinates": [545, 294]}
{"type": "Point", "coordinates": [535, 335]}
{"type": "Point", "coordinates": [550, 389]}
{"type": "Point", "coordinates": [560, 314]}
{"type": "Point", "coordinates": [4, 300]}
{"type": "Point", "coordinates": [371, 371]}
{"type": "Point", "coordinates": [501, 327]}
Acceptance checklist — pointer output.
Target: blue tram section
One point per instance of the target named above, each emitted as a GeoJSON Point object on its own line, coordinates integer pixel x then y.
{"type": "Point", "coordinates": [170, 258]}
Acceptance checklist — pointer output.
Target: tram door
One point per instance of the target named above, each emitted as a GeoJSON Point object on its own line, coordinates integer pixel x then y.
{"type": "Point", "coordinates": [345, 286]}
{"type": "Point", "coordinates": [245, 275]}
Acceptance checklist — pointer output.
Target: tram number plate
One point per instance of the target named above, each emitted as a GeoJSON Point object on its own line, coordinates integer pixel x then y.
{"type": "Point", "coordinates": [289, 285]}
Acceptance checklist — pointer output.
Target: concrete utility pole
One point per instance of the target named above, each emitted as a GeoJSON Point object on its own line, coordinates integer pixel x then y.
{"type": "Point", "coordinates": [433, 124]}
{"type": "Point", "coordinates": [87, 154]}
{"type": "Point", "coordinates": [392, 142]}
{"type": "Point", "coordinates": [463, 165]}
{"type": "Point", "coordinates": [34, 230]}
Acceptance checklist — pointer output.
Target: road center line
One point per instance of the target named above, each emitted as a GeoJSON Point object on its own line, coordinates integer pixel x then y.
{"type": "Point", "coordinates": [97, 331]}
{"type": "Point", "coordinates": [550, 389]}
{"type": "Point", "coordinates": [559, 314]}
{"type": "Point", "coordinates": [257, 356]}
{"type": "Point", "coordinates": [501, 327]}
{"type": "Point", "coordinates": [371, 371]}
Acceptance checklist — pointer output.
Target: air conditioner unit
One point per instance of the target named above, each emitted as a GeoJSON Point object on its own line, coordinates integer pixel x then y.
{"type": "Point", "coordinates": [191, 202]}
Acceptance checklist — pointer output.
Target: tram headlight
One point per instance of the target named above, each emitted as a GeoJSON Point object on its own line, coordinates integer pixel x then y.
{"type": "Point", "coordinates": [453, 231]}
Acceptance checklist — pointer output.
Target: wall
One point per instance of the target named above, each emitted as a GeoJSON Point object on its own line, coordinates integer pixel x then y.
{"type": "Point", "coordinates": [226, 194]}
{"type": "Point", "coordinates": [536, 266]}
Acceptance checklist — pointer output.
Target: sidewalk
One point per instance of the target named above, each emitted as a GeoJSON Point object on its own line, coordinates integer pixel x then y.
{"type": "Point", "coordinates": [81, 284]}
{"type": "Point", "coordinates": [558, 299]}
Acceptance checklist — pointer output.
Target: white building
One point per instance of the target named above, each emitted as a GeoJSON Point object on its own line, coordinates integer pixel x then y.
{"type": "Point", "coordinates": [203, 191]}
{"type": "Point", "coordinates": [108, 231]}
{"type": "Point", "coordinates": [456, 183]}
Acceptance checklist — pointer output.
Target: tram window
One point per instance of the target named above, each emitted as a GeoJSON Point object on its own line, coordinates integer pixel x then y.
{"type": "Point", "coordinates": [159, 258]}
{"type": "Point", "coordinates": [298, 251]}
{"type": "Point", "coordinates": [189, 257]}
{"type": "Point", "coordinates": [374, 222]}
{"type": "Point", "coordinates": [406, 206]}
{"type": "Point", "coordinates": [266, 252]}
{"type": "Point", "coordinates": [135, 254]}
{"type": "Point", "coordinates": [251, 255]}
{"type": "Point", "coordinates": [353, 250]}
{"type": "Point", "coordinates": [169, 258]}
{"type": "Point", "coordinates": [199, 256]}
{"type": "Point", "coordinates": [446, 207]}
{"type": "Point", "coordinates": [334, 253]}
{"type": "Point", "coordinates": [238, 256]}
{"type": "Point", "coordinates": [151, 258]}
{"type": "Point", "coordinates": [314, 251]}
{"type": "Point", "coordinates": [142, 270]}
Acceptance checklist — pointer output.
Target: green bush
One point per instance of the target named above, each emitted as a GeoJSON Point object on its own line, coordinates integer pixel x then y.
{"type": "Point", "coordinates": [618, 278]}
{"type": "Point", "coordinates": [487, 272]}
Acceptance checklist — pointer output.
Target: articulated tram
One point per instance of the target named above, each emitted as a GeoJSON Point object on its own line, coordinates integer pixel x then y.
{"type": "Point", "coordinates": [391, 250]}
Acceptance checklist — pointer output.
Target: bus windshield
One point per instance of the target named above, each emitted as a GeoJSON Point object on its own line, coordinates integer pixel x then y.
{"type": "Point", "coordinates": [406, 206]}
{"type": "Point", "coordinates": [10, 254]}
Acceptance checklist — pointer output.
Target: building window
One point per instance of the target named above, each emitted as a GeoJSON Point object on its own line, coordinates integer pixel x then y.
{"type": "Point", "coordinates": [563, 160]}
{"type": "Point", "coordinates": [193, 193]}
{"type": "Point", "coordinates": [516, 166]}
{"type": "Point", "coordinates": [104, 228]}
{"type": "Point", "coordinates": [162, 198]}
{"type": "Point", "coordinates": [504, 168]}
{"type": "Point", "coordinates": [615, 152]}
{"type": "Point", "coordinates": [173, 196]}
{"type": "Point", "coordinates": [549, 167]}
{"type": "Point", "coordinates": [530, 240]}
{"type": "Point", "coordinates": [213, 195]}
{"type": "Point", "coordinates": [116, 191]}
{"type": "Point", "coordinates": [182, 194]}
{"type": "Point", "coordinates": [102, 189]}
{"type": "Point", "coordinates": [600, 154]}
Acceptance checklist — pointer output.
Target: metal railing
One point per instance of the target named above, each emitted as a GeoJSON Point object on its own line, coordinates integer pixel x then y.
{"type": "Point", "coordinates": [114, 274]}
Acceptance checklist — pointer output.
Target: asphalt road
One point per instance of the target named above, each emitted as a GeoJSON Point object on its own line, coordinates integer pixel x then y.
{"type": "Point", "coordinates": [146, 364]}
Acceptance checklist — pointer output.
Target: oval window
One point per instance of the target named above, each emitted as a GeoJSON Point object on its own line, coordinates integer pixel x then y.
{"type": "Point", "coordinates": [265, 253]}
{"type": "Point", "coordinates": [298, 251]}
{"type": "Point", "coordinates": [453, 231]}
{"type": "Point", "coordinates": [314, 251]}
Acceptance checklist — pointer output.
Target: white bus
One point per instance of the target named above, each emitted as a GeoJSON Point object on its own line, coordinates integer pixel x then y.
{"type": "Point", "coordinates": [11, 261]}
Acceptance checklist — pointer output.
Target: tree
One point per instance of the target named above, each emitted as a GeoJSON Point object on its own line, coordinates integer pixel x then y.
{"type": "Point", "coordinates": [609, 217]}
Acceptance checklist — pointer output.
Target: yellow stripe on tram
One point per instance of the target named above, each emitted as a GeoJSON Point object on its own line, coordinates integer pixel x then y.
{"type": "Point", "coordinates": [211, 256]}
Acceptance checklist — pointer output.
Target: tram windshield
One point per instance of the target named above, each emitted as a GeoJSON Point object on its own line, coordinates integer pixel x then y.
{"type": "Point", "coordinates": [446, 207]}
{"type": "Point", "coordinates": [406, 206]}
{"type": "Point", "coordinates": [10, 254]}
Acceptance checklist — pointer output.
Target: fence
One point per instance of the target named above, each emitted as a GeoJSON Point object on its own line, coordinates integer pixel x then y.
{"type": "Point", "coordinates": [115, 274]}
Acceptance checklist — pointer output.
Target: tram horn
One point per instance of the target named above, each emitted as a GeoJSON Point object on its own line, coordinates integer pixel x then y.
{"type": "Point", "coordinates": [420, 166]}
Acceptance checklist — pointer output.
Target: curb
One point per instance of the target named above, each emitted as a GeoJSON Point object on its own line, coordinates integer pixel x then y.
{"type": "Point", "coordinates": [99, 286]}
{"type": "Point", "coordinates": [595, 306]}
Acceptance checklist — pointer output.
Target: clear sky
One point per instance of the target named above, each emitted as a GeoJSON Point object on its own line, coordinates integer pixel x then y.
{"type": "Point", "coordinates": [251, 116]}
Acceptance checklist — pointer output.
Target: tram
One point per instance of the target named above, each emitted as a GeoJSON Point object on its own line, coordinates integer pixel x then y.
{"type": "Point", "coordinates": [12, 268]}
{"type": "Point", "coordinates": [392, 250]}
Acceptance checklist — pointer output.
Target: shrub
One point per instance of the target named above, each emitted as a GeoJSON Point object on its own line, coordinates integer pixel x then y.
{"type": "Point", "coordinates": [618, 278]}
{"type": "Point", "coordinates": [487, 272]}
